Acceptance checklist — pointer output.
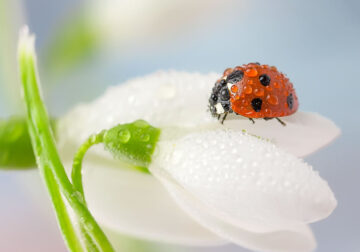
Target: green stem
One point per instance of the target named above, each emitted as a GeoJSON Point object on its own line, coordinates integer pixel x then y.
{"type": "Point", "coordinates": [48, 159]}
{"type": "Point", "coordinates": [76, 174]}
{"type": "Point", "coordinates": [67, 229]}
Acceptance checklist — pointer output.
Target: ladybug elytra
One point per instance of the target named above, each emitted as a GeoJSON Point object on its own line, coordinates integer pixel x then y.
{"type": "Point", "coordinates": [253, 91]}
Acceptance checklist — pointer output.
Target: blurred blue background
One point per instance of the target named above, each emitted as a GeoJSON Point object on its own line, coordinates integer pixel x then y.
{"type": "Point", "coordinates": [316, 43]}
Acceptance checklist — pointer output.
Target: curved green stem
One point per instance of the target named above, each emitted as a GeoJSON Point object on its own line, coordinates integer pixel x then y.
{"type": "Point", "coordinates": [76, 175]}
{"type": "Point", "coordinates": [48, 159]}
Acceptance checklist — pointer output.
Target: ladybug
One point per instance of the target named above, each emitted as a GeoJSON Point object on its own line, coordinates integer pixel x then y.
{"type": "Point", "coordinates": [253, 91]}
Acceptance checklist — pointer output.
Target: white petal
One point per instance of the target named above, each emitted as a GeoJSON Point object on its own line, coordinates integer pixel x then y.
{"type": "Point", "coordinates": [163, 99]}
{"type": "Point", "coordinates": [299, 239]}
{"type": "Point", "coordinates": [136, 204]}
{"type": "Point", "coordinates": [181, 99]}
{"type": "Point", "coordinates": [243, 181]}
{"type": "Point", "coordinates": [303, 134]}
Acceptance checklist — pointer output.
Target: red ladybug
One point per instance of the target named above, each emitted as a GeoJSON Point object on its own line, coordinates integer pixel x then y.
{"type": "Point", "coordinates": [253, 91]}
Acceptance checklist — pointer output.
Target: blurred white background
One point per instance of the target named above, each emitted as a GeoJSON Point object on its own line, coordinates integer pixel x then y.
{"type": "Point", "coordinates": [316, 43]}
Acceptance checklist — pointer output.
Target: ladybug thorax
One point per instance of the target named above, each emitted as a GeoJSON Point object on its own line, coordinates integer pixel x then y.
{"type": "Point", "coordinates": [254, 91]}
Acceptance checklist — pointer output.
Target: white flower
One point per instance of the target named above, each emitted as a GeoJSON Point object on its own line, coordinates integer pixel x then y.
{"type": "Point", "coordinates": [218, 184]}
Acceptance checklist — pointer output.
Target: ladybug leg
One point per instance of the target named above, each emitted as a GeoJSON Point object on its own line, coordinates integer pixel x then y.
{"type": "Point", "coordinates": [282, 123]}
{"type": "Point", "coordinates": [219, 117]}
{"type": "Point", "coordinates": [252, 120]}
{"type": "Point", "coordinates": [268, 118]}
{"type": "Point", "coordinates": [224, 117]}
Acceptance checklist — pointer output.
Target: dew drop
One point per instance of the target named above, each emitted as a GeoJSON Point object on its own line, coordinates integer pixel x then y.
{"type": "Point", "coordinates": [251, 72]}
{"type": "Point", "coordinates": [144, 137]}
{"type": "Point", "coordinates": [234, 88]}
{"type": "Point", "coordinates": [272, 99]}
{"type": "Point", "coordinates": [259, 92]}
{"type": "Point", "coordinates": [247, 89]}
{"type": "Point", "coordinates": [124, 135]}
{"type": "Point", "coordinates": [228, 71]}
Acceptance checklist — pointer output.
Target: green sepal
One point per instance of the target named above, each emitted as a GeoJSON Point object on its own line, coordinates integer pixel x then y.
{"type": "Point", "coordinates": [132, 142]}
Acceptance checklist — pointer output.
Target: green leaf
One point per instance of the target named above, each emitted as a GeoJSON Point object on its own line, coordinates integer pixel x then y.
{"type": "Point", "coordinates": [15, 146]}
{"type": "Point", "coordinates": [16, 151]}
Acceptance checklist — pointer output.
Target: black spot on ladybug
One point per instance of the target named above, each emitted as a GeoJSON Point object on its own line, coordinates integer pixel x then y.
{"type": "Point", "coordinates": [235, 76]}
{"type": "Point", "coordinates": [264, 79]}
{"type": "Point", "coordinates": [224, 94]}
{"type": "Point", "coordinates": [256, 104]}
{"type": "Point", "coordinates": [290, 101]}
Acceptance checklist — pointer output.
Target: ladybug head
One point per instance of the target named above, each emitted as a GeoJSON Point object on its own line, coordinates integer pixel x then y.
{"type": "Point", "coordinates": [219, 101]}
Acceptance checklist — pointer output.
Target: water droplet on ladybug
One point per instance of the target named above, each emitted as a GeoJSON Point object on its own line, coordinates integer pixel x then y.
{"type": "Point", "coordinates": [234, 88]}
{"type": "Point", "coordinates": [251, 72]}
{"type": "Point", "coordinates": [272, 99]}
{"type": "Point", "coordinates": [227, 71]}
{"type": "Point", "coordinates": [247, 89]}
{"type": "Point", "coordinates": [250, 82]}
{"type": "Point", "coordinates": [259, 92]}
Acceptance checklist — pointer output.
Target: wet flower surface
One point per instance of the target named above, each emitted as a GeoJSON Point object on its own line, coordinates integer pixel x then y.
{"type": "Point", "coordinates": [238, 182]}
